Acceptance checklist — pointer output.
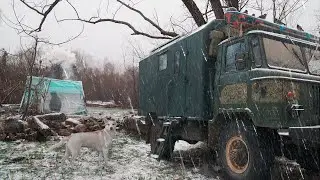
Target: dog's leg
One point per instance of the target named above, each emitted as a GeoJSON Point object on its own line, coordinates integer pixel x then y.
{"type": "Point", "coordinates": [105, 152]}
{"type": "Point", "coordinates": [67, 154]}
{"type": "Point", "coordinates": [75, 153]}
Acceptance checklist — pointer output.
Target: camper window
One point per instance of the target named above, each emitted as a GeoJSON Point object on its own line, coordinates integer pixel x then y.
{"type": "Point", "coordinates": [232, 51]}
{"type": "Point", "coordinates": [256, 52]}
{"type": "Point", "coordinates": [163, 62]}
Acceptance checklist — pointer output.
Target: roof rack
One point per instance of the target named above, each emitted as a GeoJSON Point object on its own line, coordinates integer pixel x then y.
{"type": "Point", "coordinates": [245, 22]}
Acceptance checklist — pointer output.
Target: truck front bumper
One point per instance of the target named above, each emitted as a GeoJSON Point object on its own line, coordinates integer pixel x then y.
{"type": "Point", "coordinates": [305, 135]}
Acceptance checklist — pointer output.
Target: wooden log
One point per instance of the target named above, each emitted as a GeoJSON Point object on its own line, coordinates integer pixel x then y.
{"type": "Point", "coordinates": [31, 136]}
{"type": "Point", "coordinates": [64, 132]}
{"type": "Point", "coordinates": [53, 120]}
{"type": "Point", "coordinates": [40, 124]}
{"type": "Point", "coordinates": [80, 128]}
{"type": "Point", "coordinates": [135, 124]}
{"type": "Point", "coordinates": [72, 121]}
{"type": "Point", "coordinates": [35, 123]}
{"type": "Point", "coordinates": [76, 116]}
{"type": "Point", "coordinates": [53, 117]}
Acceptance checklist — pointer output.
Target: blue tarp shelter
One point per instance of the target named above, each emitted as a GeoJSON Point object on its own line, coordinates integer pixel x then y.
{"type": "Point", "coordinates": [54, 95]}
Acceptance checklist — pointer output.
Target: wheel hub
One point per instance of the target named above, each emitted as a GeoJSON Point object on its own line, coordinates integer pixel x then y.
{"type": "Point", "coordinates": [237, 154]}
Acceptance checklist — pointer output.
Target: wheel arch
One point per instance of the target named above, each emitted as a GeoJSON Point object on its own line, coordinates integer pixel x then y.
{"type": "Point", "coordinates": [226, 116]}
{"type": "Point", "coordinates": [215, 126]}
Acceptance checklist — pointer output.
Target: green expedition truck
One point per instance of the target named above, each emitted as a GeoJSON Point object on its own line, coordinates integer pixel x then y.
{"type": "Point", "coordinates": [248, 87]}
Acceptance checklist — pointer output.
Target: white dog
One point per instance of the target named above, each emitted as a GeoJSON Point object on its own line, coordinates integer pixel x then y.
{"type": "Point", "coordinates": [97, 140]}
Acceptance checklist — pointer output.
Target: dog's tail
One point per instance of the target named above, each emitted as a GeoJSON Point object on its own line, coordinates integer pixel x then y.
{"type": "Point", "coordinates": [61, 143]}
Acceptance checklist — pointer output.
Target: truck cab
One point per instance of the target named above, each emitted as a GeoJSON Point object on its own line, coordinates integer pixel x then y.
{"type": "Point", "coordinates": [248, 87]}
{"type": "Point", "coordinates": [275, 76]}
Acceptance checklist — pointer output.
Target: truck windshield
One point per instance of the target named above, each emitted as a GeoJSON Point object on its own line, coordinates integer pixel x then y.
{"type": "Point", "coordinates": [313, 57]}
{"type": "Point", "coordinates": [291, 55]}
{"type": "Point", "coordinates": [283, 55]}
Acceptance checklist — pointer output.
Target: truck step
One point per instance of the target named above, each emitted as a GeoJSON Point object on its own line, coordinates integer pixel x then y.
{"type": "Point", "coordinates": [167, 124]}
{"type": "Point", "coordinates": [161, 140]}
{"type": "Point", "coordinates": [155, 156]}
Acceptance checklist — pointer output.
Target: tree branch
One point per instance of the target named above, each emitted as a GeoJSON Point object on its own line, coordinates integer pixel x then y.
{"type": "Point", "coordinates": [217, 9]}
{"type": "Point", "coordinates": [44, 14]}
{"type": "Point", "coordinates": [34, 9]}
{"type": "Point", "coordinates": [95, 20]}
{"type": "Point", "coordinates": [47, 13]}
{"type": "Point", "coordinates": [206, 11]}
{"type": "Point", "coordinates": [162, 31]}
{"type": "Point", "coordinates": [100, 20]}
{"type": "Point", "coordinates": [233, 3]}
{"type": "Point", "coordinates": [31, 65]}
{"type": "Point", "coordinates": [194, 11]}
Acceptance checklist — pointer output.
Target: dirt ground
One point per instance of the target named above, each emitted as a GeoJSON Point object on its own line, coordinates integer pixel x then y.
{"type": "Point", "coordinates": [128, 159]}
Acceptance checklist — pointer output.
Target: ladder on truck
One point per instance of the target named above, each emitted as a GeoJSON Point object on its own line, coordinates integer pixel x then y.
{"type": "Point", "coordinates": [164, 141]}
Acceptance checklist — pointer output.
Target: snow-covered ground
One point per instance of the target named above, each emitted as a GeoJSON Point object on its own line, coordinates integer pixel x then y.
{"type": "Point", "coordinates": [129, 159]}
{"type": "Point", "coordinates": [102, 103]}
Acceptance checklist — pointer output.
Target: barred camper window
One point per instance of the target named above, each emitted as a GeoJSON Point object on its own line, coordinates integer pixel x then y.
{"type": "Point", "coordinates": [232, 51]}
{"type": "Point", "coordinates": [163, 62]}
{"type": "Point", "coordinates": [256, 52]}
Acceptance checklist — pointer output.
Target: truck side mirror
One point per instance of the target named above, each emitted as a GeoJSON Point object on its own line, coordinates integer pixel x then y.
{"type": "Point", "coordinates": [241, 61]}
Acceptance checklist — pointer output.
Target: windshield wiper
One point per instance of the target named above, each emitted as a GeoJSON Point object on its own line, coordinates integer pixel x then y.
{"type": "Point", "coordinates": [294, 53]}
{"type": "Point", "coordinates": [314, 52]}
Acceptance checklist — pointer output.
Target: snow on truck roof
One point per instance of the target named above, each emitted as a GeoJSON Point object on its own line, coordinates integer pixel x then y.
{"type": "Point", "coordinates": [178, 38]}
{"type": "Point", "coordinates": [242, 21]}
{"type": "Point", "coordinates": [284, 36]}
{"type": "Point", "coordinates": [245, 22]}
{"type": "Point", "coordinates": [275, 35]}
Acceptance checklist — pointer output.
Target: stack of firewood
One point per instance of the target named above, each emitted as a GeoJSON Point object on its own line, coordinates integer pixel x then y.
{"type": "Point", "coordinates": [134, 124]}
{"type": "Point", "coordinates": [41, 127]}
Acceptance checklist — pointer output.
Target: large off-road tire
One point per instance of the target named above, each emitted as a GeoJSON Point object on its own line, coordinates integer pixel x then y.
{"type": "Point", "coordinates": [308, 158]}
{"type": "Point", "coordinates": [168, 149]}
{"type": "Point", "coordinates": [244, 153]}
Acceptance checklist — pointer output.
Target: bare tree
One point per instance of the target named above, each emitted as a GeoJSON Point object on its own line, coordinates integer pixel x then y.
{"type": "Point", "coordinates": [318, 27]}
{"type": "Point", "coordinates": [287, 7]}
{"type": "Point", "coordinates": [30, 56]}
{"type": "Point", "coordinates": [45, 10]}
{"type": "Point", "coordinates": [280, 9]}
{"type": "Point", "coordinates": [0, 16]}
{"type": "Point", "coordinates": [198, 16]}
{"type": "Point", "coordinates": [194, 11]}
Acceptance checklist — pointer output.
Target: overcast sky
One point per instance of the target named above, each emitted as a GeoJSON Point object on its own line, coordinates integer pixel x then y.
{"type": "Point", "coordinates": [108, 40]}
